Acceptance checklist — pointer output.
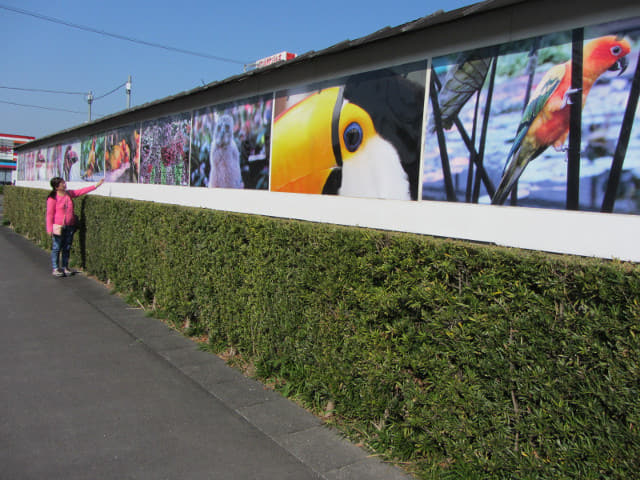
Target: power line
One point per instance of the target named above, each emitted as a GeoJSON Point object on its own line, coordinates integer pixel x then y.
{"type": "Point", "coordinates": [63, 92]}
{"type": "Point", "coordinates": [43, 90]}
{"type": "Point", "coordinates": [120, 37]}
{"type": "Point", "coordinates": [109, 93]}
{"type": "Point", "coordinates": [41, 107]}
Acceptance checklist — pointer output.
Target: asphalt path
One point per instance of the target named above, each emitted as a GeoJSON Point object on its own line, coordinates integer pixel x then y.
{"type": "Point", "coordinates": [91, 388]}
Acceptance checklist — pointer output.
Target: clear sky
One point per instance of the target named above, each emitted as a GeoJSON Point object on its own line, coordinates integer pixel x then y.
{"type": "Point", "coordinates": [43, 55]}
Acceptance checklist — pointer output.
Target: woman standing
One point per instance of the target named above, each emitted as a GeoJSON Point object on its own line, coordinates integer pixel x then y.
{"type": "Point", "coordinates": [61, 222]}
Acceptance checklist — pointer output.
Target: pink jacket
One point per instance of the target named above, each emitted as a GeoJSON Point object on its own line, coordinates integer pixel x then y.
{"type": "Point", "coordinates": [60, 208]}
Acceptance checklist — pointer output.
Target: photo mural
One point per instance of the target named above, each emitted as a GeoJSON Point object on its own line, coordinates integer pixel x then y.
{"type": "Point", "coordinates": [27, 165]}
{"type": "Point", "coordinates": [38, 165]}
{"type": "Point", "coordinates": [53, 163]}
{"type": "Point", "coordinates": [230, 145]}
{"type": "Point", "coordinates": [511, 125]}
{"type": "Point", "coordinates": [164, 150]}
{"type": "Point", "coordinates": [358, 136]}
{"type": "Point", "coordinates": [122, 155]}
{"type": "Point", "coordinates": [71, 162]}
{"type": "Point", "coordinates": [92, 158]}
{"type": "Point", "coordinates": [21, 166]}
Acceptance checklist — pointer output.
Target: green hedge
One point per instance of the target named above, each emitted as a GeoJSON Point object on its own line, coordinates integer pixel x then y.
{"type": "Point", "coordinates": [465, 360]}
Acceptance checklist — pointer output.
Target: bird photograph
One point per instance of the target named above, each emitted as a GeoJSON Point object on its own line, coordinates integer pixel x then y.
{"type": "Point", "coordinates": [231, 144]}
{"type": "Point", "coordinates": [122, 155]}
{"type": "Point", "coordinates": [54, 162]}
{"type": "Point", "coordinates": [71, 162]}
{"type": "Point", "coordinates": [224, 156]}
{"type": "Point", "coordinates": [545, 121]}
{"type": "Point", "coordinates": [164, 150]}
{"type": "Point", "coordinates": [358, 137]}
{"type": "Point", "coordinates": [39, 169]}
{"type": "Point", "coordinates": [512, 122]}
{"type": "Point", "coordinates": [92, 158]}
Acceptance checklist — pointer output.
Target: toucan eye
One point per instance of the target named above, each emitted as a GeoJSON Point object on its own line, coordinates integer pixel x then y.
{"type": "Point", "coordinates": [352, 136]}
{"type": "Point", "coordinates": [616, 50]}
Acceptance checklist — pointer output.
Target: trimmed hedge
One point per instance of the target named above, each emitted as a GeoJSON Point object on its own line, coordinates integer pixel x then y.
{"type": "Point", "coordinates": [469, 361]}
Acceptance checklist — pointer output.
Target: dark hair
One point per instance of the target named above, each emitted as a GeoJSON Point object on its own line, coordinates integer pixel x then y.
{"type": "Point", "coordinates": [55, 181]}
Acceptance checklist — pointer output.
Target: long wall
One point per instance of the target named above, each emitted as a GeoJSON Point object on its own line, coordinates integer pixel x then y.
{"type": "Point", "coordinates": [464, 125]}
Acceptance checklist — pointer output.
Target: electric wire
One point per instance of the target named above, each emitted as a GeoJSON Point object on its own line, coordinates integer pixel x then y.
{"type": "Point", "coordinates": [41, 90]}
{"type": "Point", "coordinates": [118, 36]}
{"type": "Point", "coordinates": [110, 92]}
{"type": "Point", "coordinates": [43, 108]}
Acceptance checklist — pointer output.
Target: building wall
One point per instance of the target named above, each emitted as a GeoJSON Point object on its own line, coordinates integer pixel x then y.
{"type": "Point", "coordinates": [161, 151]}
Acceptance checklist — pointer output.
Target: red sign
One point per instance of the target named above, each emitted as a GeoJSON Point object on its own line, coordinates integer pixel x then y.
{"type": "Point", "coordinates": [278, 57]}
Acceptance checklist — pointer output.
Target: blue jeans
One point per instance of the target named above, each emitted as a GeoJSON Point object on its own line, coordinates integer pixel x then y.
{"type": "Point", "coordinates": [62, 245]}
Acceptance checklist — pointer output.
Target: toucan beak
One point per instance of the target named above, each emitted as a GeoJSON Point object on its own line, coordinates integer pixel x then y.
{"type": "Point", "coordinates": [302, 153]}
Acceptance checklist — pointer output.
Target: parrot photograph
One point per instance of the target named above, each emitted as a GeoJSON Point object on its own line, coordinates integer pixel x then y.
{"type": "Point", "coordinates": [503, 132]}
{"type": "Point", "coordinates": [358, 137]}
{"type": "Point", "coordinates": [545, 121]}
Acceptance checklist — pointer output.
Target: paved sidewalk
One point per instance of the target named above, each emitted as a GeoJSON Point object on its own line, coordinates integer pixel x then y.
{"type": "Point", "coordinates": [91, 388]}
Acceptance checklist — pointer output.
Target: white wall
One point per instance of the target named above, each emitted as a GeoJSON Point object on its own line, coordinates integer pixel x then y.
{"type": "Point", "coordinates": [612, 236]}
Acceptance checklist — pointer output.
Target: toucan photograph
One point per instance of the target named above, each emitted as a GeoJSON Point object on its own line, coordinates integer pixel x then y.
{"type": "Point", "coordinates": [545, 122]}
{"type": "Point", "coordinates": [357, 136]}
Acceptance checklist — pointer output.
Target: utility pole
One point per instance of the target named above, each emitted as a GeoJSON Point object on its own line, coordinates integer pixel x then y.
{"type": "Point", "coordinates": [129, 92]}
{"type": "Point", "coordinates": [90, 101]}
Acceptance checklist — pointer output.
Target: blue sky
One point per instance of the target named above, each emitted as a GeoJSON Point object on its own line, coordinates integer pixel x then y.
{"type": "Point", "coordinates": [44, 55]}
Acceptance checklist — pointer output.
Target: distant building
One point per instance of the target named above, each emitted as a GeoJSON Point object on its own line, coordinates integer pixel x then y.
{"type": "Point", "coordinates": [8, 157]}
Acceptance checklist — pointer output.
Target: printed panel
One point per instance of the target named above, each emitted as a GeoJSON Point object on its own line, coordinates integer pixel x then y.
{"type": "Point", "coordinates": [164, 150]}
{"type": "Point", "coordinates": [21, 166]}
{"type": "Point", "coordinates": [92, 158]}
{"type": "Point", "coordinates": [122, 155]}
{"type": "Point", "coordinates": [230, 146]}
{"type": "Point", "coordinates": [357, 136]}
{"type": "Point", "coordinates": [54, 160]}
{"type": "Point", "coordinates": [71, 162]}
{"type": "Point", "coordinates": [30, 165]}
{"type": "Point", "coordinates": [513, 125]}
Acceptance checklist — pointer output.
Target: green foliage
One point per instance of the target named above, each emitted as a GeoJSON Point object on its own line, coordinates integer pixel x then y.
{"type": "Point", "coordinates": [25, 208]}
{"type": "Point", "coordinates": [468, 361]}
{"type": "Point", "coordinates": [515, 64]}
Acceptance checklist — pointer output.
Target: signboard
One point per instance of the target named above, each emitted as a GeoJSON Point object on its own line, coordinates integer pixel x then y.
{"type": "Point", "coordinates": [7, 144]}
{"type": "Point", "coordinates": [278, 57]}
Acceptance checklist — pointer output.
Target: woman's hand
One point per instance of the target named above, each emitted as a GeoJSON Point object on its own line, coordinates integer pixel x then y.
{"type": "Point", "coordinates": [100, 182]}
